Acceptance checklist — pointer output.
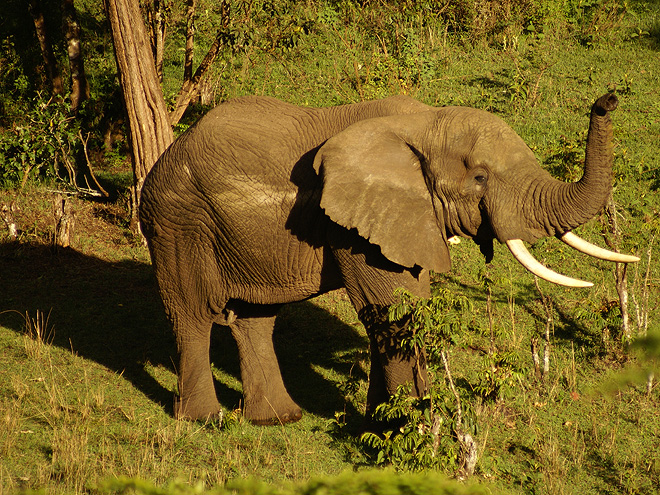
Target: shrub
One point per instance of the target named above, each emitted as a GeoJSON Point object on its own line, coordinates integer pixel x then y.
{"type": "Point", "coordinates": [373, 482]}
{"type": "Point", "coordinates": [43, 144]}
{"type": "Point", "coordinates": [435, 430]}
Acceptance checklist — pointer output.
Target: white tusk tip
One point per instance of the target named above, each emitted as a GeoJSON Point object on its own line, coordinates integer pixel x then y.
{"type": "Point", "coordinates": [586, 247]}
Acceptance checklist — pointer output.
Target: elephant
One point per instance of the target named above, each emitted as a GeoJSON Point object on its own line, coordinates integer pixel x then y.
{"type": "Point", "coordinates": [261, 203]}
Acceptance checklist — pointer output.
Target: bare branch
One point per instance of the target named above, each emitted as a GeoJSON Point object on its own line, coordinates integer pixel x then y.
{"type": "Point", "coordinates": [469, 451]}
{"type": "Point", "coordinates": [89, 165]}
{"type": "Point", "coordinates": [190, 87]}
{"type": "Point", "coordinates": [547, 306]}
{"type": "Point", "coordinates": [621, 272]}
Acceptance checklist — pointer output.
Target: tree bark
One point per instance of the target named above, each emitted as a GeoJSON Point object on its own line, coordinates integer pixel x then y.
{"type": "Point", "coordinates": [52, 69]}
{"type": "Point", "coordinates": [158, 26]}
{"type": "Point", "coordinates": [190, 41]}
{"type": "Point", "coordinates": [149, 127]}
{"type": "Point", "coordinates": [79, 86]}
{"type": "Point", "coordinates": [190, 87]}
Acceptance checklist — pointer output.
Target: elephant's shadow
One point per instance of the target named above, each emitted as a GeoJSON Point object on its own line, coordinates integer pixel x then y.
{"type": "Point", "coordinates": [110, 312]}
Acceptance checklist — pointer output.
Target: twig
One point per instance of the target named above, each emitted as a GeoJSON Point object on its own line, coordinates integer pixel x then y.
{"type": "Point", "coordinates": [89, 165]}
{"type": "Point", "coordinates": [548, 326]}
{"type": "Point", "coordinates": [452, 387]}
{"type": "Point", "coordinates": [534, 93]}
{"type": "Point", "coordinates": [546, 347]}
{"type": "Point", "coordinates": [649, 383]}
{"type": "Point", "coordinates": [642, 310]}
{"type": "Point", "coordinates": [78, 191]}
{"type": "Point", "coordinates": [535, 358]}
{"type": "Point", "coordinates": [621, 272]}
{"type": "Point", "coordinates": [469, 451]}
{"type": "Point", "coordinates": [26, 176]}
{"type": "Point", "coordinates": [491, 326]}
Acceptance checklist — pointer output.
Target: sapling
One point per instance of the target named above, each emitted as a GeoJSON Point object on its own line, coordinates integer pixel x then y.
{"type": "Point", "coordinates": [421, 428]}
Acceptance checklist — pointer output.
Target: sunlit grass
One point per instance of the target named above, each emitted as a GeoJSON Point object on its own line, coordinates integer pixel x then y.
{"type": "Point", "coordinates": [88, 369]}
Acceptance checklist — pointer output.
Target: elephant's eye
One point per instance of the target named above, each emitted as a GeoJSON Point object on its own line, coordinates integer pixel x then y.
{"type": "Point", "coordinates": [480, 179]}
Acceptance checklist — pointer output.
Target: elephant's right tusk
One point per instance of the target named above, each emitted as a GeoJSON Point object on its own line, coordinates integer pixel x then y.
{"type": "Point", "coordinates": [597, 252]}
{"type": "Point", "coordinates": [525, 258]}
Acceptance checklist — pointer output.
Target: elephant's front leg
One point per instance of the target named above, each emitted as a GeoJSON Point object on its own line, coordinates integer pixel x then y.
{"type": "Point", "coordinates": [370, 280]}
{"type": "Point", "coordinates": [266, 400]}
{"type": "Point", "coordinates": [391, 365]}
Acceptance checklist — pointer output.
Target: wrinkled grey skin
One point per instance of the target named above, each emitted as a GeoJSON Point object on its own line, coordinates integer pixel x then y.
{"type": "Point", "coordinates": [262, 203]}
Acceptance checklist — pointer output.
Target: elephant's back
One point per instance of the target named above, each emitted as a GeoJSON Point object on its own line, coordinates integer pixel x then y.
{"type": "Point", "coordinates": [239, 181]}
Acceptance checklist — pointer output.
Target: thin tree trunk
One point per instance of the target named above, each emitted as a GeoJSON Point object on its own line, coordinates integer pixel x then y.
{"type": "Point", "coordinates": [79, 86]}
{"type": "Point", "coordinates": [642, 307]}
{"type": "Point", "coordinates": [190, 41]}
{"type": "Point", "coordinates": [158, 26]}
{"type": "Point", "coordinates": [190, 87]}
{"type": "Point", "coordinates": [150, 130]}
{"type": "Point", "coordinates": [52, 69]}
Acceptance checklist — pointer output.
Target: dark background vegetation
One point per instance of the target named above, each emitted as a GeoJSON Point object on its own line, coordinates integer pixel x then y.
{"type": "Point", "coordinates": [87, 377]}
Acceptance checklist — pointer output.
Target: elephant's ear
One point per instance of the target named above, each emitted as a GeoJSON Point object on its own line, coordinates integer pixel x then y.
{"type": "Point", "coordinates": [373, 182]}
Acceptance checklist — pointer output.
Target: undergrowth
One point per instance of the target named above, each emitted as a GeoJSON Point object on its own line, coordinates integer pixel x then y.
{"type": "Point", "coordinates": [534, 388]}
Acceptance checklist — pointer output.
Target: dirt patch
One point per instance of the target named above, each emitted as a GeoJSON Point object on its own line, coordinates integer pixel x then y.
{"type": "Point", "coordinates": [100, 229]}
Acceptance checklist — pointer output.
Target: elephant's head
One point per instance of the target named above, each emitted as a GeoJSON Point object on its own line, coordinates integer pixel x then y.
{"type": "Point", "coordinates": [398, 179]}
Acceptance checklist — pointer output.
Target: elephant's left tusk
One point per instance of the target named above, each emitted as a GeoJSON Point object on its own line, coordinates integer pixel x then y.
{"type": "Point", "coordinates": [597, 252]}
{"type": "Point", "coordinates": [525, 258]}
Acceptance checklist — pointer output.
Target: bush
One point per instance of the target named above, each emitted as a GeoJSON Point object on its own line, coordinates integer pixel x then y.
{"type": "Point", "coordinates": [43, 144]}
{"type": "Point", "coordinates": [376, 482]}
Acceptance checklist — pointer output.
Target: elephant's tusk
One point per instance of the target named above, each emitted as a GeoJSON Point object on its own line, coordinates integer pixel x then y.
{"type": "Point", "coordinates": [597, 252]}
{"type": "Point", "coordinates": [525, 258]}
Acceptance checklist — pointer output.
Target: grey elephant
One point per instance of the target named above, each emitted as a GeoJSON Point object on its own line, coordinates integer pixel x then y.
{"type": "Point", "coordinates": [263, 203]}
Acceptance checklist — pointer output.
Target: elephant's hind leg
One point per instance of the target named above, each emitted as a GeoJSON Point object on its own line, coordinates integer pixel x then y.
{"type": "Point", "coordinates": [197, 398]}
{"type": "Point", "coordinates": [266, 400]}
{"type": "Point", "coordinates": [183, 269]}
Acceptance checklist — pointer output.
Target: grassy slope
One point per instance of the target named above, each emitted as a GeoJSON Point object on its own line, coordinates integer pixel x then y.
{"type": "Point", "coordinates": [92, 398]}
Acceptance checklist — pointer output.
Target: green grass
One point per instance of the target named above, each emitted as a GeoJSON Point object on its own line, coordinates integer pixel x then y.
{"type": "Point", "coordinates": [87, 377]}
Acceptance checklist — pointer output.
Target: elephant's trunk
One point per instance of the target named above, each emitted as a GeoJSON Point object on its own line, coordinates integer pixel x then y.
{"type": "Point", "coordinates": [568, 206]}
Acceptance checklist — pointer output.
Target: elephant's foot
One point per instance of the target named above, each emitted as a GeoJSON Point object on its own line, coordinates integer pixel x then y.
{"type": "Point", "coordinates": [191, 410]}
{"type": "Point", "coordinates": [269, 413]}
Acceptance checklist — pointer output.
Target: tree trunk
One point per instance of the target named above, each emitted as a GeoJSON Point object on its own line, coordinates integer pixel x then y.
{"type": "Point", "coordinates": [79, 86]}
{"type": "Point", "coordinates": [52, 70]}
{"type": "Point", "coordinates": [150, 130]}
{"type": "Point", "coordinates": [190, 87]}
{"type": "Point", "coordinates": [190, 41]}
{"type": "Point", "coordinates": [158, 26]}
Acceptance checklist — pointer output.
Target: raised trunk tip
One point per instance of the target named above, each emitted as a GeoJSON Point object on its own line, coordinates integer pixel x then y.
{"type": "Point", "coordinates": [570, 205]}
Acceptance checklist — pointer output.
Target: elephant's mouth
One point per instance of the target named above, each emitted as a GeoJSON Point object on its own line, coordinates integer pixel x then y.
{"type": "Point", "coordinates": [486, 234]}
{"type": "Point", "coordinates": [525, 258]}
